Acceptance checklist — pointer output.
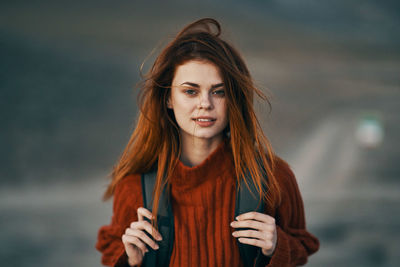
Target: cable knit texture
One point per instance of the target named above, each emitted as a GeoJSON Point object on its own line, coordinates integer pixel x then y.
{"type": "Point", "coordinates": [203, 201]}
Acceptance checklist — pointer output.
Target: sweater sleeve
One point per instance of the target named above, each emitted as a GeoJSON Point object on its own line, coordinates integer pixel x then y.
{"type": "Point", "coordinates": [127, 199]}
{"type": "Point", "coordinates": [294, 243]}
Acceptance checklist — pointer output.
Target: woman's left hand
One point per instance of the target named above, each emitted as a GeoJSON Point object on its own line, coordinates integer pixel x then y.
{"type": "Point", "coordinates": [262, 233]}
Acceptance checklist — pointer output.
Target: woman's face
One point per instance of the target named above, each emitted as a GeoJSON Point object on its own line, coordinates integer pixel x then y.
{"type": "Point", "coordinates": [198, 100]}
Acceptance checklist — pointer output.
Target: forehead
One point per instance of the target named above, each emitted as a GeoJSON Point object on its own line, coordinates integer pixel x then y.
{"type": "Point", "coordinates": [200, 72]}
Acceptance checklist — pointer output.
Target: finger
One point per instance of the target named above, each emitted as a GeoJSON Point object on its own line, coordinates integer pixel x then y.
{"type": "Point", "coordinates": [256, 216]}
{"type": "Point", "coordinates": [253, 234]}
{"type": "Point", "coordinates": [143, 212]}
{"type": "Point", "coordinates": [143, 237]}
{"type": "Point", "coordinates": [253, 224]}
{"type": "Point", "coordinates": [145, 225]}
{"type": "Point", "coordinates": [256, 242]}
{"type": "Point", "coordinates": [127, 239]}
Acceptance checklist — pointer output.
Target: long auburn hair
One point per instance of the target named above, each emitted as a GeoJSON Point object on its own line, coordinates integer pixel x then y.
{"type": "Point", "coordinates": [155, 142]}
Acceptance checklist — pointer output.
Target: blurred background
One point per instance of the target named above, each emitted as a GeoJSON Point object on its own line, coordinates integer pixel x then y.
{"type": "Point", "coordinates": [68, 71]}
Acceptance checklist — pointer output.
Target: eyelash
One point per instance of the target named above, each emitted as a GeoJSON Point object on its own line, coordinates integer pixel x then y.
{"type": "Point", "coordinates": [219, 92]}
{"type": "Point", "coordinates": [193, 92]}
{"type": "Point", "coordinates": [190, 92]}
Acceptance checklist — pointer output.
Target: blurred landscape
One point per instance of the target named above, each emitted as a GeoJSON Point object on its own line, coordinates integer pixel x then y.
{"type": "Point", "coordinates": [68, 105]}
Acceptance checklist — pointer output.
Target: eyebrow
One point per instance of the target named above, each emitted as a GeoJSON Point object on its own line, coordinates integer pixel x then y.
{"type": "Point", "coordinates": [198, 86]}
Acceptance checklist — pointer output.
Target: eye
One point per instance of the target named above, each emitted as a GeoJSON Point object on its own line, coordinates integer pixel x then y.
{"type": "Point", "coordinates": [220, 92]}
{"type": "Point", "coordinates": [190, 92]}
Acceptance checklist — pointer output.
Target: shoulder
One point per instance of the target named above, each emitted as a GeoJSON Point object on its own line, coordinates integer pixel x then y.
{"type": "Point", "coordinates": [290, 210]}
{"type": "Point", "coordinates": [285, 176]}
{"type": "Point", "coordinates": [127, 199]}
{"type": "Point", "coordinates": [129, 186]}
{"type": "Point", "coordinates": [282, 169]}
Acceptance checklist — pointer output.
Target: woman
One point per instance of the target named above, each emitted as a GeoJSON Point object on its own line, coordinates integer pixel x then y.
{"type": "Point", "coordinates": [198, 133]}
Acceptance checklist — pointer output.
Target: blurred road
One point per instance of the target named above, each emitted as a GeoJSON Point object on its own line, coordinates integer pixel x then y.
{"type": "Point", "coordinates": [52, 225]}
{"type": "Point", "coordinates": [67, 106]}
{"type": "Point", "coordinates": [354, 213]}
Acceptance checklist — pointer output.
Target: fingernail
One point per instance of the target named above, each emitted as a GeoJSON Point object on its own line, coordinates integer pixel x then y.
{"type": "Point", "coordinates": [234, 233]}
{"type": "Point", "coordinates": [159, 238]}
{"type": "Point", "coordinates": [157, 247]}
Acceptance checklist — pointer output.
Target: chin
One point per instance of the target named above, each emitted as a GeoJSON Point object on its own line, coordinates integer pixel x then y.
{"type": "Point", "coordinates": [208, 135]}
{"type": "Point", "coordinates": [204, 133]}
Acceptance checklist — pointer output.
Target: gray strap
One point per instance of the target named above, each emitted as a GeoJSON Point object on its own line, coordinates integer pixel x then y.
{"type": "Point", "coordinates": [160, 257]}
{"type": "Point", "coordinates": [246, 201]}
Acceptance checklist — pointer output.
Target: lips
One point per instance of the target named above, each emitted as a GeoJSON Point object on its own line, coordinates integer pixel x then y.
{"type": "Point", "coordinates": [204, 121]}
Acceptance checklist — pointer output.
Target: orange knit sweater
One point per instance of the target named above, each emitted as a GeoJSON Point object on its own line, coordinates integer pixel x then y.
{"type": "Point", "coordinates": [203, 201]}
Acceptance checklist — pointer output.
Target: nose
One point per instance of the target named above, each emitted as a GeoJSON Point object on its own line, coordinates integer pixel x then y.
{"type": "Point", "coordinates": [205, 101]}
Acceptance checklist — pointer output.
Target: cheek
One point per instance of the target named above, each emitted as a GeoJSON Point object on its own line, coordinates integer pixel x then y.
{"type": "Point", "coordinates": [183, 107]}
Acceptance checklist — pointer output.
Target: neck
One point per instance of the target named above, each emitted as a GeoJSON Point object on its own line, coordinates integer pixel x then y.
{"type": "Point", "coordinates": [196, 150]}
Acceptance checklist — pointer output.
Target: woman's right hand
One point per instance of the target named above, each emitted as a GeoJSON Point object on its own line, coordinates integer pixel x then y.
{"type": "Point", "coordinates": [135, 239]}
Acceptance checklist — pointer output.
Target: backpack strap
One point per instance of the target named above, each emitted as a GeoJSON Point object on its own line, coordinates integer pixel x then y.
{"type": "Point", "coordinates": [160, 257]}
{"type": "Point", "coordinates": [248, 200]}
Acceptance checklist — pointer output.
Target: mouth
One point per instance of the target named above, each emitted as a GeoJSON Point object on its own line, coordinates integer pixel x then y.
{"type": "Point", "coordinates": [204, 119]}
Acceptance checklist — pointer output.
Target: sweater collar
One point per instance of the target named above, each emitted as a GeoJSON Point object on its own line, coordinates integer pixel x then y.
{"type": "Point", "coordinates": [212, 167]}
